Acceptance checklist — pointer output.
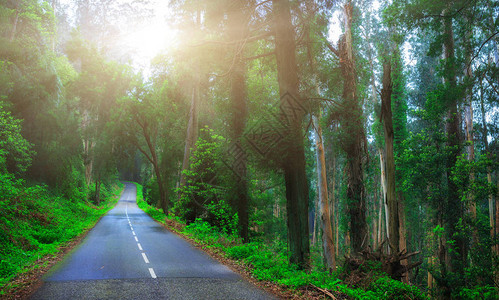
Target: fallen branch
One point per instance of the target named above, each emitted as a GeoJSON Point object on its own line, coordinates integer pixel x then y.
{"type": "Point", "coordinates": [328, 293]}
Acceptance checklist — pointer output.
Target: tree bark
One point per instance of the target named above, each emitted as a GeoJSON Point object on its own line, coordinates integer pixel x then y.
{"type": "Point", "coordinates": [391, 196]}
{"type": "Point", "coordinates": [494, 228]}
{"type": "Point", "coordinates": [294, 163]}
{"type": "Point", "coordinates": [153, 159]}
{"type": "Point", "coordinates": [353, 136]}
{"type": "Point", "coordinates": [453, 208]}
{"type": "Point", "coordinates": [14, 26]}
{"type": "Point", "coordinates": [468, 121]}
{"type": "Point", "coordinates": [237, 32]}
{"type": "Point", "coordinates": [384, 198]}
{"type": "Point", "coordinates": [325, 218]}
{"type": "Point", "coordinates": [192, 132]}
{"type": "Point", "coordinates": [155, 162]}
{"type": "Point", "coordinates": [402, 233]}
{"type": "Point", "coordinates": [97, 191]}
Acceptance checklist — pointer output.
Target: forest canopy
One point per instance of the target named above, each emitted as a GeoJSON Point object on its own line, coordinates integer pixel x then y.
{"type": "Point", "coordinates": [335, 134]}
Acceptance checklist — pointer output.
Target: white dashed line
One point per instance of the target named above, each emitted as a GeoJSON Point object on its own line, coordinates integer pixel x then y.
{"type": "Point", "coordinates": [151, 270]}
{"type": "Point", "coordinates": [153, 275]}
{"type": "Point", "coordinates": [145, 258]}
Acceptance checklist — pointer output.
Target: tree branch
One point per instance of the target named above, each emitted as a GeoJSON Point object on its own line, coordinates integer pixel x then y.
{"type": "Point", "coordinates": [334, 50]}
{"type": "Point", "coordinates": [491, 85]}
{"type": "Point", "coordinates": [480, 49]}
{"type": "Point", "coordinates": [246, 40]}
{"type": "Point", "coordinates": [260, 56]}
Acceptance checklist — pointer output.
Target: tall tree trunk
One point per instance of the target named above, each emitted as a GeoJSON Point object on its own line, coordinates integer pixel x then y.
{"type": "Point", "coordinates": [380, 221]}
{"type": "Point", "coordinates": [163, 196]}
{"type": "Point", "coordinates": [494, 228]}
{"type": "Point", "coordinates": [325, 218]}
{"type": "Point", "coordinates": [14, 26]}
{"type": "Point", "coordinates": [294, 163]}
{"type": "Point", "coordinates": [384, 190]}
{"type": "Point", "coordinates": [453, 211]}
{"type": "Point", "coordinates": [332, 197]}
{"type": "Point", "coordinates": [353, 137]}
{"type": "Point", "coordinates": [391, 196]}
{"type": "Point", "coordinates": [88, 145]}
{"type": "Point", "coordinates": [237, 32]}
{"type": "Point", "coordinates": [192, 132]}
{"type": "Point", "coordinates": [97, 191]}
{"type": "Point", "coordinates": [468, 121]}
{"type": "Point", "coordinates": [402, 233]}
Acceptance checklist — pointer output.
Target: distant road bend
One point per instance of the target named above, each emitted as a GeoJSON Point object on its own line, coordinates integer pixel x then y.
{"type": "Point", "coordinates": [127, 255]}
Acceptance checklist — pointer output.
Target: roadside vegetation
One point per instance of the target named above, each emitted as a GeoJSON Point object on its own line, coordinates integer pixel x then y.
{"type": "Point", "coordinates": [269, 262]}
{"type": "Point", "coordinates": [36, 221]}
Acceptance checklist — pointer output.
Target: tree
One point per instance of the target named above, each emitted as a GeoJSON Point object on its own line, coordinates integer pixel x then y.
{"type": "Point", "coordinates": [15, 151]}
{"type": "Point", "coordinates": [237, 33]}
{"type": "Point", "coordinates": [294, 162]}
{"type": "Point", "coordinates": [351, 120]}
{"type": "Point", "coordinates": [142, 111]}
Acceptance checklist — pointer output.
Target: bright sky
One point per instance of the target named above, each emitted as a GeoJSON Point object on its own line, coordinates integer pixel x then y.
{"type": "Point", "coordinates": [152, 37]}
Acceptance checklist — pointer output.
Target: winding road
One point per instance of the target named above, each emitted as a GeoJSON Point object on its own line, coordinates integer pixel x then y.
{"type": "Point", "coordinates": [127, 255]}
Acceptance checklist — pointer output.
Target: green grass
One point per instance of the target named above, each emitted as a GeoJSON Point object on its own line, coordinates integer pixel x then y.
{"type": "Point", "coordinates": [270, 262]}
{"type": "Point", "coordinates": [34, 222]}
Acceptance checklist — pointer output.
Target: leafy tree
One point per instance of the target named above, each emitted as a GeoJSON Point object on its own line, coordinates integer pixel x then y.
{"type": "Point", "coordinates": [15, 151]}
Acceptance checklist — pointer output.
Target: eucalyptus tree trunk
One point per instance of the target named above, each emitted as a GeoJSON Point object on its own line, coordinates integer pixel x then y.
{"type": "Point", "coordinates": [294, 162]}
{"type": "Point", "coordinates": [382, 165]}
{"type": "Point", "coordinates": [453, 209]}
{"type": "Point", "coordinates": [325, 217]}
{"type": "Point", "coordinates": [391, 196]}
{"type": "Point", "coordinates": [353, 137]}
{"type": "Point", "coordinates": [493, 225]}
{"type": "Point", "coordinates": [468, 121]}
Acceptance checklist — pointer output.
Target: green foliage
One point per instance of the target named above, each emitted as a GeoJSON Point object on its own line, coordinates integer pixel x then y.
{"type": "Point", "coordinates": [270, 262]}
{"type": "Point", "coordinates": [204, 194]}
{"type": "Point", "coordinates": [387, 288]}
{"type": "Point", "coordinates": [154, 212]}
{"type": "Point", "coordinates": [151, 191]}
{"type": "Point", "coordinates": [34, 222]}
{"type": "Point", "coordinates": [479, 292]}
{"type": "Point", "coordinates": [15, 151]}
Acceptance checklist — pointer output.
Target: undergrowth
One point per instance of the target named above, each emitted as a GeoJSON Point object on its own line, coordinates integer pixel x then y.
{"type": "Point", "coordinates": [34, 222]}
{"type": "Point", "coordinates": [270, 262]}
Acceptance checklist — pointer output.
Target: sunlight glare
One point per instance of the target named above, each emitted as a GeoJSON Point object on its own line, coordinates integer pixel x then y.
{"type": "Point", "coordinates": [150, 40]}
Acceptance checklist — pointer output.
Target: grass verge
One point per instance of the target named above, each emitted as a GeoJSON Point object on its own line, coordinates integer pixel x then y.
{"type": "Point", "coordinates": [37, 226]}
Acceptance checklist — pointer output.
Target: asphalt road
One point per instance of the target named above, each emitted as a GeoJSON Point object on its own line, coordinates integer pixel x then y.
{"type": "Point", "coordinates": [127, 255]}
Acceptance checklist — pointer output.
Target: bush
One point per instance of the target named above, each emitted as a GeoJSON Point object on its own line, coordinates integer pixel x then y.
{"type": "Point", "coordinates": [34, 222]}
{"type": "Point", "coordinates": [242, 251]}
{"type": "Point", "coordinates": [387, 288]}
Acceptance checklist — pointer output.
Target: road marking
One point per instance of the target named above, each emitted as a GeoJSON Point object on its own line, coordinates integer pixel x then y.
{"type": "Point", "coordinates": [131, 227]}
{"type": "Point", "coordinates": [145, 258]}
{"type": "Point", "coordinates": [140, 247]}
{"type": "Point", "coordinates": [136, 239]}
{"type": "Point", "coordinates": [133, 232]}
{"type": "Point", "coordinates": [151, 270]}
